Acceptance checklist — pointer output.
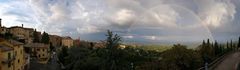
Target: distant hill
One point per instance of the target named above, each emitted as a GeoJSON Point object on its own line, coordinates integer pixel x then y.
{"type": "Point", "coordinates": [158, 48]}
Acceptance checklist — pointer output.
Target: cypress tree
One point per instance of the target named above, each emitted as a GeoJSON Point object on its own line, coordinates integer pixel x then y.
{"type": "Point", "coordinates": [216, 49]}
{"type": "Point", "coordinates": [35, 37]}
{"type": "Point", "coordinates": [208, 43]}
{"type": "Point", "coordinates": [45, 38]}
{"type": "Point", "coordinates": [239, 42]}
{"type": "Point", "coordinates": [231, 45]}
{"type": "Point", "coordinates": [227, 46]}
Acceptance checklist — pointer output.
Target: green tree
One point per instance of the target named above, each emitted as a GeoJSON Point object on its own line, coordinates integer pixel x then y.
{"type": "Point", "coordinates": [112, 43]}
{"type": "Point", "coordinates": [180, 58]}
{"type": "Point", "coordinates": [8, 35]}
{"type": "Point", "coordinates": [238, 42]}
{"type": "Point", "coordinates": [35, 37]}
{"type": "Point", "coordinates": [82, 58]}
{"type": "Point", "coordinates": [45, 38]}
{"type": "Point", "coordinates": [63, 54]}
{"type": "Point", "coordinates": [231, 45]}
{"type": "Point", "coordinates": [52, 48]}
{"type": "Point", "coordinates": [216, 48]}
{"type": "Point", "coordinates": [206, 51]}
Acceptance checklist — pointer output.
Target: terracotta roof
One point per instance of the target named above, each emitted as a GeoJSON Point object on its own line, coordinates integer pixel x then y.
{"type": "Point", "coordinates": [13, 42]}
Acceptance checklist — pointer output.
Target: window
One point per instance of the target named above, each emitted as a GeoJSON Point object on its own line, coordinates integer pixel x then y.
{"type": "Point", "coordinates": [21, 51]}
{"type": "Point", "coordinates": [9, 65]}
{"type": "Point", "coordinates": [43, 49]}
{"type": "Point", "coordinates": [9, 55]}
{"type": "Point", "coordinates": [38, 49]}
{"type": "Point", "coordinates": [39, 55]}
{"type": "Point", "coordinates": [18, 61]}
{"type": "Point", "coordinates": [43, 55]}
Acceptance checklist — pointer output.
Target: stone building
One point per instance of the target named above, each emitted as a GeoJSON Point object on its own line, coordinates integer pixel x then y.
{"type": "Point", "coordinates": [25, 34]}
{"type": "Point", "coordinates": [55, 40]}
{"type": "Point", "coordinates": [6, 57]}
{"type": "Point", "coordinates": [39, 50]}
{"type": "Point", "coordinates": [15, 57]}
{"type": "Point", "coordinates": [67, 42]}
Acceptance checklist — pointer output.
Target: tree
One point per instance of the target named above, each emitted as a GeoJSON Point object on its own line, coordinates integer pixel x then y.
{"type": "Point", "coordinates": [203, 43]}
{"type": "Point", "coordinates": [8, 35]}
{"type": "Point", "coordinates": [63, 54]}
{"type": "Point", "coordinates": [52, 48]}
{"type": "Point", "coordinates": [108, 58]}
{"type": "Point", "coordinates": [231, 45]}
{"type": "Point", "coordinates": [112, 43]}
{"type": "Point", "coordinates": [216, 48]}
{"type": "Point", "coordinates": [180, 58]}
{"type": "Point", "coordinates": [239, 43]}
{"type": "Point", "coordinates": [228, 48]}
{"type": "Point", "coordinates": [208, 43]}
{"type": "Point", "coordinates": [82, 58]}
{"type": "Point", "coordinates": [35, 37]}
{"type": "Point", "coordinates": [45, 38]}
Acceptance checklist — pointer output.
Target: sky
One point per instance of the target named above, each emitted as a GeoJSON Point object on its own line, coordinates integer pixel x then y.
{"type": "Point", "coordinates": [137, 21]}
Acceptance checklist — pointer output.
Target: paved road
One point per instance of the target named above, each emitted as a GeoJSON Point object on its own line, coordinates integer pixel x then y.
{"type": "Point", "coordinates": [51, 65]}
{"type": "Point", "coordinates": [230, 62]}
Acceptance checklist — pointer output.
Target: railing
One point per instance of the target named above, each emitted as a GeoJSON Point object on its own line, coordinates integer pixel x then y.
{"type": "Point", "coordinates": [213, 64]}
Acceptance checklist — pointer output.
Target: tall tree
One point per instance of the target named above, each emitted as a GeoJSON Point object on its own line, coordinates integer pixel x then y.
{"type": "Point", "coordinates": [228, 48]}
{"type": "Point", "coordinates": [63, 54]}
{"type": "Point", "coordinates": [35, 37]}
{"type": "Point", "coordinates": [52, 48]}
{"type": "Point", "coordinates": [239, 42]}
{"type": "Point", "coordinates": [216, 48]}
{"type": "Point", "coordinates": [45, 38]}
{"type": "Point", "coordinates": [231, 45]}
{"type": "Point", "coordinates": [203, 43]}
{"type": "Point", "coordinates": [208, 42]}
{"type": "Point", "coordinates": [112, 43]}
{"type": "Point", "coordinates": [112, 40]}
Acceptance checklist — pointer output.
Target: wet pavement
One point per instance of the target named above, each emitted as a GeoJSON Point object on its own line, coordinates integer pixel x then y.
{"type": "Point", "coordinates": [229, 63]}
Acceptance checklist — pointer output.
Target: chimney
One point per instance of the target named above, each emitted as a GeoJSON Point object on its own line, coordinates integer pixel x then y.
{"type": "Point", "coordinates": [22, 25]}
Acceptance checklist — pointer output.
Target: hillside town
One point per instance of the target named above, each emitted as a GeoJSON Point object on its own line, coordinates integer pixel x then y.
{"type": "Point", "coordinates": [119, 34]}
{"type": "Point", "coordinates": [20, 47]}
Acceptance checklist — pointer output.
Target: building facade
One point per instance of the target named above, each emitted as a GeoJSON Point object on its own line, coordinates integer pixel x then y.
{"type": "Point", "coordinates": [6, 57]}
{"type": "Point", "coordinates": [15, 58]}
{"type": "Point", "coordinates": [67, 42]}
{"type": "Point", "coordinates": [25, 34]}
{"type": "Point", "coordinates": [55, 40]}
{"type": "Point", "coordinates": [39, 50]}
